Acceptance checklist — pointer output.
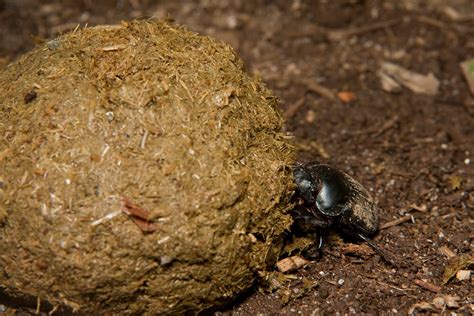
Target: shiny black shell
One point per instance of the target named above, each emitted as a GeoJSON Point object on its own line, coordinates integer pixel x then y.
{"type": "Point", "coordinates": [334, 194]}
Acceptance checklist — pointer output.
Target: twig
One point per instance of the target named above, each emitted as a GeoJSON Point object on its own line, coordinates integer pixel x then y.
{"type": "Point", "coordinates": [428, 286]}
{"type": "Point", "coordinates": [387, 125]}
{"type": "Point", "coordinates": [441, 25]}
{"type": "Point", "coordinates": [401, 174]}
{"type": "Point", "coordinates": [315, 87]}
{"type": "Point", "coordinates": [53, 310]}
{"type": "Point", "coordinates": [388, 285]}
{"type": "Point", "coordinates": [376, 131]}
{"type": "Point", "coordinates": [419, 208]}
{"type": "Point", "coordinates": [114, 48]}
{"type": "Point", "coordinates": [340, 34]}
{"type": "Point", "coordinates": [38, 305]}
{"type": "Point", "coordinates": [430, 21]}
{"type": "Point", "coordinates": [106, 218]}
{"type": "Point", "coordinates": [455, 16]}
{"type": "Point", "coordinates": [292, 109]}
{"type": "Point", "coordinates": [143, 141]}
{"type": "Point", "coordinates": [396, 222]}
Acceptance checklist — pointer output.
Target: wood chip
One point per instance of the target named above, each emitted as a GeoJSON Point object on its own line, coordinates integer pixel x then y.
{"type": "Point", "coordinates": [451, 301]}
{"type": "Point", "coordinates": [441, 302]}
{"type": "Point", "coordinates": [428, 286]}
{"type": "Point", "coordinates": [417, 83]}
{"type": "Point", "coordinates": [291, 263]}
{"type": "Point", "coordinates": [346, 96]}
{"type": "Point", "coordinates": [438, 302]}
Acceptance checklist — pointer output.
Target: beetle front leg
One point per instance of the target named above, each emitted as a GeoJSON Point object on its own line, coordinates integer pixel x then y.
{"type": "Point", "coordinates": [306, 221]}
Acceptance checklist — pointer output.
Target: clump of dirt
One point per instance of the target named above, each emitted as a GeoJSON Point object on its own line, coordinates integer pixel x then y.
{"type": "Point", "coordinates": [141, 170]}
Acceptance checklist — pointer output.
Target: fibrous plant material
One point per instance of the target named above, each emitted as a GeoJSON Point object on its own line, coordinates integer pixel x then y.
{"type": "Point", "coordinates": [141, 170]}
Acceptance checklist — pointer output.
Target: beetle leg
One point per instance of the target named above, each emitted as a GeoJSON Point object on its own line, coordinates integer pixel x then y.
{"type": "Point", "coordinates": [307, 221]}
{"type": "Point", "coordinates": [320, 242]}
{"type": "Point", "coordinates": [377, 249]}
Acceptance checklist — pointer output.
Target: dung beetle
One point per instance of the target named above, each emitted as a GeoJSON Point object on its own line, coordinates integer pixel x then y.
{"type": "Point", "coordinates": [333, 198]}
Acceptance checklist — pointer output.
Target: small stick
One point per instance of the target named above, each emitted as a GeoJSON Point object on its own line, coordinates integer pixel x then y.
{"type": "Point", "coordinates": [106, 218]}
{"type": "Point", "coordinates": [387, 125]}
{"type": "Point", "coordinates": [52, 311]}
{"type": "Point", "coordinates": [292, 109]}
{"type": "Point", "coordinates": [336, 35]}
{"type": "Point", "coordinates": [143, 141]}
{"type": "Point", "coordinates": [38, 305]}
{"type": "Point", "coordinates": [315, 87]}
{"type": "Point", "coordinates": [340, 34]}
{"type": "Point", "coordinates": [379, 131]}
{"type": "Point", "coordinates": [113, 48]}
{"type": "Point", "coordinates": [428, 286]}
{"type": "Point", "coordinates": [419, 208]}
{"type": "Point", "coordinates": [396, 222]}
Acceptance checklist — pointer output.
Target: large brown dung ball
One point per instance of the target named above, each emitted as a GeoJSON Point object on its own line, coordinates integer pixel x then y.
{"type": "Point", "coordinates": [141, 170]}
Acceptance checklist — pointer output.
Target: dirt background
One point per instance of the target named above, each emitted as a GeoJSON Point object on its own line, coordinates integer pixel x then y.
{"type": "Point", "coordinates": [415, 152]}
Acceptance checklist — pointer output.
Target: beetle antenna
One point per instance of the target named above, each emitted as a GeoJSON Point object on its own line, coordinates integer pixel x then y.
{"type": "Point", "coordinates": [377, 249]}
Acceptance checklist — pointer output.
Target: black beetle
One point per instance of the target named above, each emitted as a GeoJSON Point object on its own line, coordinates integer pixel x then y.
{"type": "Point", "coordinates": [332, 197]}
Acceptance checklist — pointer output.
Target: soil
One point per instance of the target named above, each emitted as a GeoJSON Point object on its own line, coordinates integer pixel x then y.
{"type": "Point", "coordinates": [414, 152]}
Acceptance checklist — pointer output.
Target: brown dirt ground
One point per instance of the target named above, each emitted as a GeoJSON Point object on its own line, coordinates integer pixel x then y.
{"type": "Point", "coordinates": [414, 152]}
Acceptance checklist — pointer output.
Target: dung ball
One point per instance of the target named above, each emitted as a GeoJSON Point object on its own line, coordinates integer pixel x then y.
{"type": "Point", "coordinates": [141, 171]}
